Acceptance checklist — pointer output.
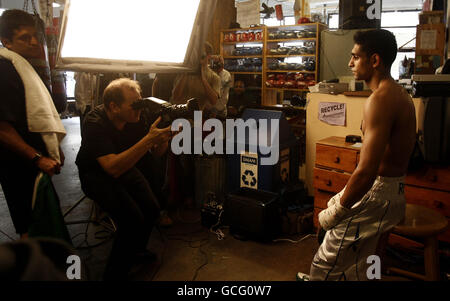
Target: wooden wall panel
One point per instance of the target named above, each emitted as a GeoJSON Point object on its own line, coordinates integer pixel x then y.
{"type": "Point", "coordinates": [225, 14]}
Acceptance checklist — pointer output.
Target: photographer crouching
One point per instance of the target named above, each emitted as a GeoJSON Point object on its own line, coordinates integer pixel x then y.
{"type": "Point", "coordinates": [114, 163]}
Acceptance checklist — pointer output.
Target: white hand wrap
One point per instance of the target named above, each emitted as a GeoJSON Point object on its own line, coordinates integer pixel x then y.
{"type": "Point", "coordinates": [333, 200]}
{"type": "Point", "coordinates": [331, 216]}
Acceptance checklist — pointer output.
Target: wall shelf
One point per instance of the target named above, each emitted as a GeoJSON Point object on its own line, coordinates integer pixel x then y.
{"type": "Point", "coordinates": [271, 95]}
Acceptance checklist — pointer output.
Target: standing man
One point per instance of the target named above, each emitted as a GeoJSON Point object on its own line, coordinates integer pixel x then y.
{"type": "Point", "coordinates": [114, 164]}
{"type": "Point", "coordinates": [204, 85]}
{"type": "Point", "coordinates": [373, 200]}
{"type": "Point", "coordinates": [241, 97]}
{"type": "Point", "coordinates": [217, 65]}
{"type": "Point", "coordinates": [30, 128]}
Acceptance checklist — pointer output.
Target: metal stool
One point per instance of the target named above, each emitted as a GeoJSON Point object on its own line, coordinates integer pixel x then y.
{"type": "Point", "coordinates": [96, 216]}
{"type": "Point", "coordinates": [423, 224]}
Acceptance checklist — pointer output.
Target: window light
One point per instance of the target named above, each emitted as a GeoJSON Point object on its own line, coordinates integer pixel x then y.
{"type": "Point", "coordinates": [131, 33]}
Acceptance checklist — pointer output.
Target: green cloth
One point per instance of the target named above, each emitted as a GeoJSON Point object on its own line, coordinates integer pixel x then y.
{"type": "Point", "coordinates": [46, 217]}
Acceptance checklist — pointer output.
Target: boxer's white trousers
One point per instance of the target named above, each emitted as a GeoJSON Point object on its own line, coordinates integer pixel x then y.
{"type": "Point", "coordinates": [344, 251]}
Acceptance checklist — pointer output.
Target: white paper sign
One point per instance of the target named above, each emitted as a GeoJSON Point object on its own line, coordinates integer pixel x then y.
{"type": "Point", "coordinates": [249, 170]}
{"type": "Point", "coordinates": [428, 39]}
{"type": "Point", "coordinates": [333, 113]}
{"type": "Point", "coordinates": [247, 13]}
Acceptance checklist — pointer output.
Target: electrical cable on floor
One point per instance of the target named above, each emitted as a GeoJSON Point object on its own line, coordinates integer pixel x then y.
{"type": "Point", "coordinates": [203, 241]}
{"type": "Point", "coordinates": [218, 231]}
{"type": "Point", "coordinates": [187, 233]}
{"type": "Point", "coordinates": [295, 241]}
{"type": "Point", "coordinates": [204, 264]}
{"type": "Point", "coordinates": [96, 235]}
{"type": "Point", "coordinates": [162, 261]}
{"type": "Point", "coordinates": [190, 242]}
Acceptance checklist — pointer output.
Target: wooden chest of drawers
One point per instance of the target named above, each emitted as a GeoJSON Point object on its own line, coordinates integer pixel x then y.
{"type": "Point", "coordinates": [336, 160]}
{"type": "Point", "coordinates": [430, 187]}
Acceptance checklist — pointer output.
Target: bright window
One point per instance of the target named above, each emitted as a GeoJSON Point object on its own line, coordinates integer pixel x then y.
{"type": "Point", "coordinates": [102, 29]}
{"type": "Point", "coordinates": [407, 18]}
{"type": "Point", "coordinates": [333, 20]}
{"type": "Point", "coordinates": [275, 22]}
{"type": "Point", "coordinates": [70, 84]}
{"type": "Point", "coordinates": [1, 12]}
{"type": "Point", "coordinates": [402, 25]}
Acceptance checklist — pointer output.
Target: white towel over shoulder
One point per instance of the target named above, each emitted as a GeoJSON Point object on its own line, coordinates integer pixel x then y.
{"type": "Point", "coordinates": [41, 113]}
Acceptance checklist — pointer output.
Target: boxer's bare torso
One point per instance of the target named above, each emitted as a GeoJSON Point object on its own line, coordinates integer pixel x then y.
{"type": "Point", "coordinates": [400, 109]}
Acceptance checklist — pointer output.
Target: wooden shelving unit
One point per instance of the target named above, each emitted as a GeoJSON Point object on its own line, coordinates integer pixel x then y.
{"type": "Point", "coordinates": [232, 39]}
{"type": "Point", "coordinates": [273, 95]}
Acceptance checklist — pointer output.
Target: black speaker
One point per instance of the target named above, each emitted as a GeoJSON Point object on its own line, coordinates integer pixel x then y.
{"type": "Point", "coordinates": [253, 214]}
{"type": "Point", "coordinates": [353, 14]}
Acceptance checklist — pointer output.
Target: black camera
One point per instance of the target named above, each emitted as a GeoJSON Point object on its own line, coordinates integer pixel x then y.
{"type": "Point", "coordinates": [215, 65]}
{"type": "Point", "coordinates": [211, 211]}
{"type": "Point", "coordinates": [168, 112]}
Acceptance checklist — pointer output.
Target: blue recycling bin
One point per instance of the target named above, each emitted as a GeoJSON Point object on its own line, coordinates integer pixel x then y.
{"type": "Point", "coordinates": [248, 169]}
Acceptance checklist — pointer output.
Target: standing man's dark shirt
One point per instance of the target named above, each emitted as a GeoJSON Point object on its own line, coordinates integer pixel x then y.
{"type": "Point", "coordinates": [17, 175]}
{"type": "Point", "coordinates": [13, 110]}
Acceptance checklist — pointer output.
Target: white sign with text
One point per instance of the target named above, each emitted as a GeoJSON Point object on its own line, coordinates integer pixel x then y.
{"type": "Point", "coordinates": [333, 113]}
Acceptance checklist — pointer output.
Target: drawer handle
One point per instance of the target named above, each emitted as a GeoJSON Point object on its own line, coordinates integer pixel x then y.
{"type": "Point", "coordinates": [329, 183]}
{"type": "Point", "coordinates": [338, 160]}
{"type": "Point", "coordinates": [438, 204]}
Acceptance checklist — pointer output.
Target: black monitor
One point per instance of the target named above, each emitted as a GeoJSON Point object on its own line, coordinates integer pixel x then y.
{"type": "Point", "coordinates": [434, 129]}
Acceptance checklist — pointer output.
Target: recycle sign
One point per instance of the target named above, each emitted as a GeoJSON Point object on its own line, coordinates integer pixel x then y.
{"type": "Point", "coordinates": [251, 178]}
{"type": "Point", "coordinates": [249, 170]}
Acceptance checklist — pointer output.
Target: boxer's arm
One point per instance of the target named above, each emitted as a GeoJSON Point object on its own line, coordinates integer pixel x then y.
{"type": "Point", "coordinates": [378, 119]}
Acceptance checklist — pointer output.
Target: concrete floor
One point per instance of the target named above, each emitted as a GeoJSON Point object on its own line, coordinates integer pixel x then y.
{"type": "Point", "coordinates": [186, 251]}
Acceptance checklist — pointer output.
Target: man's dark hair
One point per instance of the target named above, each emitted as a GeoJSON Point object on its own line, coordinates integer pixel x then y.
{"type": "Point", "coordinates": [114, 91]}
{"type": "Point", "coordinates": [378, 41]}
{"type": "Point", "coordinates": [12, 20]}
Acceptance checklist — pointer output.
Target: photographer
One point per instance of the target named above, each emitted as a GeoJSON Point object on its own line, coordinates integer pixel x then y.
{"type": "Point", "coordinates": [216, 64]}
{"type": "Point", "coordinates": [203, 85]}
{"type": "Point", "coordinates": [114, 163]}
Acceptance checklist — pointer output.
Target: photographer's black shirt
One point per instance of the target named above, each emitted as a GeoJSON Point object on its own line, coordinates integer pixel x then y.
{"type": "Point", "coordinates": [100, 138]}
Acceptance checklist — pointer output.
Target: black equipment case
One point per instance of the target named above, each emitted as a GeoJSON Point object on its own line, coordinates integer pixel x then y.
{"type": "Point", "coordinates": [253, 214]}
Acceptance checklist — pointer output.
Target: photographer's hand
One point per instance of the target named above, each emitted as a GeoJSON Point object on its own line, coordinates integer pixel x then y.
{"type": "Point", "coordinates": [158, 136]}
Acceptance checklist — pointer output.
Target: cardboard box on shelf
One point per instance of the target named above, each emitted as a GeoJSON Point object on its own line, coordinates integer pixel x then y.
{"type": "Point", "coordinates": [430, 43]}
{"type": "Point", "coordinates": [431, 17]}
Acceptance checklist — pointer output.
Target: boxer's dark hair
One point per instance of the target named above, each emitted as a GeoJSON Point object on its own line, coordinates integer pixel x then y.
{"type": "Point", "coordinates": [378, 41]}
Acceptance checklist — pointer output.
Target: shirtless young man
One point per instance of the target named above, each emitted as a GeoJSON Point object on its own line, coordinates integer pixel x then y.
{"type": "Point", "coordinates": [373, 200]}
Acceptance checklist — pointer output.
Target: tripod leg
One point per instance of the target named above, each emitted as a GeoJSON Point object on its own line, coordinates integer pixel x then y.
{"type": "Point", "coordinates": [74, 206]}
